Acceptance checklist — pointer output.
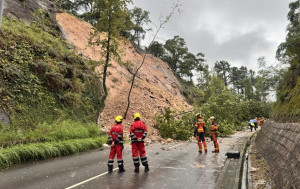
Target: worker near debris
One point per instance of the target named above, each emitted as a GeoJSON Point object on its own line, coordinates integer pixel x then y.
{"type": "Point", "coordinates": [253, 124]}
{"type": "Point", "coordinates": [199, 131]}
{"type": "Point", "coordinates": [261, 121]}
{"type": "Point", "coordinates": [214, 133]}
{"type": "Point", "coordinates": [138, 132]}
{"type": "Point", "coordinates": [115, 139]}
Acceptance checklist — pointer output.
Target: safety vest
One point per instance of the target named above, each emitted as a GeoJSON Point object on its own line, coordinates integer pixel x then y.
{"type": "Point", "coordinates": [214, 128]}
{"type": "Point", "coordinates": [199, 125]}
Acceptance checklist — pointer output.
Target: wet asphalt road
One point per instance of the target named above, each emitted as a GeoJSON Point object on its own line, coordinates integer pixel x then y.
{"type": "Point", "coordinates": [175, 165]}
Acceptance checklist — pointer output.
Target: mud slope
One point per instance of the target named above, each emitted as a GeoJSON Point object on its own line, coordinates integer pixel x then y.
{"type": "Point", "coordinates": [156, 86]}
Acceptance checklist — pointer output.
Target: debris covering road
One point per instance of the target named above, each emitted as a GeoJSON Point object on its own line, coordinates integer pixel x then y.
{"type": "Point", "coordinates": [172, 165]}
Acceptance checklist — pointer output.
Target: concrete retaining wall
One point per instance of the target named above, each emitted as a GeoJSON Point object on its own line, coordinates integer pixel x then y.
{"type": "Point", "coordinates": [279, 143]}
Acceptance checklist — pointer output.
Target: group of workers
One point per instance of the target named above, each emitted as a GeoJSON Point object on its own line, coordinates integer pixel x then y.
{"type": "Point", "coordinates": [138, 132]}
{"type": "Point", "coordinates": [200, 130]}
{"type": "Point", "coordinates": [253, 123]}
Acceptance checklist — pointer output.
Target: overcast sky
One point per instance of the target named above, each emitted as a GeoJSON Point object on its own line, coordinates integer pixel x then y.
{"type": "Point", "coordinates": [238, 31]}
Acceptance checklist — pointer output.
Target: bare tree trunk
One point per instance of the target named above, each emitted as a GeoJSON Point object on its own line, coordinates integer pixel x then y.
{"type": "Point", "coordinates": [162, 23]}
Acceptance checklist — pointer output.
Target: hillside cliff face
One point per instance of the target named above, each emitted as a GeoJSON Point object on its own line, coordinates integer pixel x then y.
{"type": "Point", "coordinates": [24, 9]}
{"type": "Point", "coordinates": [156, 86]}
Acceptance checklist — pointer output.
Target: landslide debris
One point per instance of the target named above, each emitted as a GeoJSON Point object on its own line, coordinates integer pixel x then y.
{"type": "Point", "coordinates": [155, 88]}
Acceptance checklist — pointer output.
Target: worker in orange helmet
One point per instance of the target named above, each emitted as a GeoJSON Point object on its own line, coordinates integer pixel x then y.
{"type": "Point", "coordinates": [115, 139]}
{"type": "Point", "coordinates": [138, 132]}
{"type": "Point", "coordinates": [214, 133]}
{"type": "Point", "coordinates": [199, 131]}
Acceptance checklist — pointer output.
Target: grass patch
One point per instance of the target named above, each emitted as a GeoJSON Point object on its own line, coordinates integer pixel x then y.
{"type": "Point", "coordinates": [57, 131]}
{"type": "Point", "coordinates": [41, 151]}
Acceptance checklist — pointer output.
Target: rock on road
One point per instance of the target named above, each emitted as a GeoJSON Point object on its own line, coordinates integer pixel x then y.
{"type": "Point", "coordinates": [174, 165]}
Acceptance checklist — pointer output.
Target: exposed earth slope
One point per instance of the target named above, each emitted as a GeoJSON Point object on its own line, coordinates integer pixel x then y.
{"type": "Point", "coordinates": [155, 89]}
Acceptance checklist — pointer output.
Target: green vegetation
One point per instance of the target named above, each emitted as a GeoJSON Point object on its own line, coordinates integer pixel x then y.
{"type": "Point", "coordinates": [288, 91]}
{"type": "Point", "coordinates": [113, 22]}
{"type": "Point", "coordinates": [43, 81]}
{"type": "Point", "coordinates": [139, 18]}
{"type": "Point", "coordinates": [232, 114]}
{"type": "Point", "coordinates": [57, 131]}
{"type": "Point", "coordinates": [51, 93]}
{"type": "Point", "coordinates": [41, 151]}
{"type": "Point", "coordinates": [175, 127]}
{"type": "Point", "coordinates": [233, 95]}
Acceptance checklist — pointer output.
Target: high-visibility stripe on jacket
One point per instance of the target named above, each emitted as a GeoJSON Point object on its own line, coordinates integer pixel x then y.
{"type": "Point", "coordinates": [116, 134]}
{"type": "Point", "coordinates": [200, 126]}
{"type": "Point", "coordinates": [214, 128]}
{"type": "Point", "coordinates": [138, 129]}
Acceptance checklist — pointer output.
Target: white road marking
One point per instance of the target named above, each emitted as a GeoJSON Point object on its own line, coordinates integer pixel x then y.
{"type": "Point", "coordinates": [88, 180]}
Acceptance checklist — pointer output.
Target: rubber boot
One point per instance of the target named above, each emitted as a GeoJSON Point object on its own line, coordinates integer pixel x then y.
{"type": "Point", "coordinates": [121, 169]}
{"type": "Point", "coordinates": [137, 169]}
{"type": "Point", "coordinates": [110, 168]}
{"type": "Point", "coordinates": [146, 168]}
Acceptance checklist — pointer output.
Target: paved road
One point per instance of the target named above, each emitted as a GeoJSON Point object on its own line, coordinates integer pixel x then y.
{"type": "Point", "coordinates": [175, 165]}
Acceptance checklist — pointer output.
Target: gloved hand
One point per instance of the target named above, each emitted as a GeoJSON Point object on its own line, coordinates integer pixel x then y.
{"type": "Point", "coordinates": [113, 144]}
{"type": "Point", "coordinates": [116, 141]}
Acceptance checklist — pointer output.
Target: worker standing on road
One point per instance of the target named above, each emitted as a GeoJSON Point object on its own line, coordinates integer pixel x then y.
{"type": "Point", "coordinates": [214, 133]}
{"type": "Point", "coordinates": [261, 121]}
{"type": "Point", "coordinates": [115, 138]}
{"type": "Point", "coordinates": [199, 131]}
{"type": "Point", "coordinates": [252, 123]}
{"type": "Point", "coordinates": [138, 132]}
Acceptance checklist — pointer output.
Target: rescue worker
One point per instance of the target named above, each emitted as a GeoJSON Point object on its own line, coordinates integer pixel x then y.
{"type": "Point", "coordinates": [115, 139]}
{"type": "Point", "coordinates": [256, 124]}
{"type": "Point", "coordinates": [261, 121]}
{"type": "Point", "coordinates": [214, 133]}
{"type": "Point", "coordinates": [138, 132]}
{"type": "Point", "coordinates": [252, 123]}
{"type": "Point", "coordinates": [199, 131]}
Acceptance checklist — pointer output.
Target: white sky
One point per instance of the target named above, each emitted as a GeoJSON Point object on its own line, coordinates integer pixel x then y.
{"type": "Point", "coordinates": [238, 31]}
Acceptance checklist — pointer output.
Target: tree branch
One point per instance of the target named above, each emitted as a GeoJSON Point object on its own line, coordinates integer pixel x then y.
{"type": "Point", "coordinates": [162, 23]}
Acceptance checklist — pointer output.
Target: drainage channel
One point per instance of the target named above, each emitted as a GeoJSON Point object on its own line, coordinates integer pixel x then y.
{"type": "Point", "coordinates": [245, 180]}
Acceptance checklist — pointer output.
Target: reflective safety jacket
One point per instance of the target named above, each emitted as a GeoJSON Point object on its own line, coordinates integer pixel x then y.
{"type": "Point", "coordinates": [138, 129]}
{"type": "Point", "coordinates": [116, 134]}
{"type": "Point", "coordinates": [214, 127]}
{"type": "Point", "coordinates": [200, 126]}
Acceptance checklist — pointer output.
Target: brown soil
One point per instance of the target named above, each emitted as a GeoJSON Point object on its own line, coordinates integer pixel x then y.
{"type": "Point", "coordinates": [155, 88]}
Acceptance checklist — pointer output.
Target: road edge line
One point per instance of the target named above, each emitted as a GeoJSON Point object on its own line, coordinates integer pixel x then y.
{"type": "Point", "coordinates": [88, 180]}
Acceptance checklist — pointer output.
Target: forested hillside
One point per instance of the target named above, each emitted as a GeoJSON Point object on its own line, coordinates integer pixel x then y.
{"type": "Point", "coordinates": [223, 90]}
{"type": "Point", "coordinates": [288, 92]}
